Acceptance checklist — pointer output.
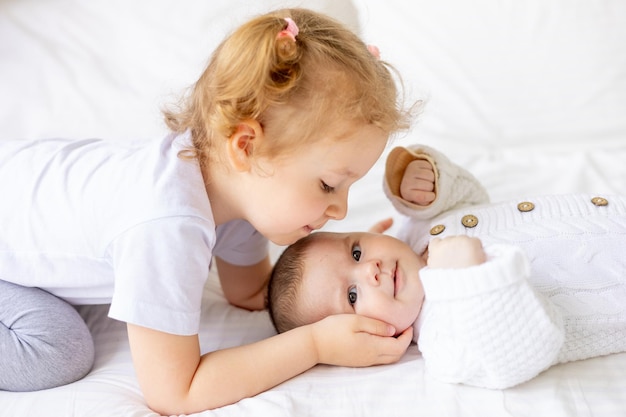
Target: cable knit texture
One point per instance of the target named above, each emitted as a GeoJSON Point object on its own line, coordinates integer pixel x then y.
{"type": "Point", "coordinates": [553, 289]}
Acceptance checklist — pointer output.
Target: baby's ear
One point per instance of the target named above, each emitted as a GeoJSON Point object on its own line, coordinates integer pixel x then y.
{"type": "Point", "coordinates": [248, 134]}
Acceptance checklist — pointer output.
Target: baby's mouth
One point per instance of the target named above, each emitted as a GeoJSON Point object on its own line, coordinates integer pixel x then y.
{"type": "Point", "coordinates": [396, 282]}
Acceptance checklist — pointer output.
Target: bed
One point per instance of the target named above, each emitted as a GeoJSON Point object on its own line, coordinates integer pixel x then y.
{"type": "Point", "coordinates": [530, 96]}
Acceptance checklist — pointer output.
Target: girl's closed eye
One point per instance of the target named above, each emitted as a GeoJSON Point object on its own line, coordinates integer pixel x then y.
{"type": "Point", "coordinates": [327, 188]}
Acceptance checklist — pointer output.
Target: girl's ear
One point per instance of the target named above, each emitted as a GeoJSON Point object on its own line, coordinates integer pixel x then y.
{"type": "Point", "coordinates": [248, 134]}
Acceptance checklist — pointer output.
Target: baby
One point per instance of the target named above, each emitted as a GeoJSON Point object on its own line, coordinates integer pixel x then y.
{"type": "Point", "coordinates": [496, 293]}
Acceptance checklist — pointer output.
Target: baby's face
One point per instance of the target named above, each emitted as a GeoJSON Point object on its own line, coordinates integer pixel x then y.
{"type": "Point", "coordinates": [374, 275]}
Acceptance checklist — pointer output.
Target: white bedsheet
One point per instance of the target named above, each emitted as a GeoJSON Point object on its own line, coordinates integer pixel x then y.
{"type": "Point", "coordinates": [530, 96]}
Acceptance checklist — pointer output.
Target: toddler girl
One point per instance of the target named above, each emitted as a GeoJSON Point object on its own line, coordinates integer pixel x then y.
{"type": "Point", "coordinates": [291, 110]}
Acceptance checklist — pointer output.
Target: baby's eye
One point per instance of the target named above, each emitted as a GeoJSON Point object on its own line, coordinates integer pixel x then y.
{"type": "Point", "coordinates": [327, 188]}
{"type": "Point", "coordinates": [356, 252]}
{"type": "Point", "coordinates": [352, 296]}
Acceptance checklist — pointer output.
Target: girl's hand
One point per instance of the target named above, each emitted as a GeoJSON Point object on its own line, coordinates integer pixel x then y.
{"type": "Point", "coordinates": [353, 340]}
{"type": "Point", "coordinates": [455, 252]}
{"type": "Point", "coordinates": [418, 183]}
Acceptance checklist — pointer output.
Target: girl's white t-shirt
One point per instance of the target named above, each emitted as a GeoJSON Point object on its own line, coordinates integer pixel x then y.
{"type": "Point", "coordinates": [96, 221]}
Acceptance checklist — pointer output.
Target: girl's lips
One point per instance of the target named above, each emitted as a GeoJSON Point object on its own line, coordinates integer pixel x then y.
{"type": "Point", "coordinates": [309, 228]}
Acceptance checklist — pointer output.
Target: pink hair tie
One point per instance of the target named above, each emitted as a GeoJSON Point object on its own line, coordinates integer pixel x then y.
{"type": "Point", "coordinates": [291, 30]}
{"type": "Point", "coordinates": [374, 51]}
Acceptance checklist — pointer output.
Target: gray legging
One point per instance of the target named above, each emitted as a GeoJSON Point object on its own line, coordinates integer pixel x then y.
{"type": "Point", "coordinates": [44, 342]}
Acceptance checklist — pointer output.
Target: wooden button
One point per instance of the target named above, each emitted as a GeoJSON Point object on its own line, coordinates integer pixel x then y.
{"type": "Point", "coordinates": [525, 206]}
{"type": "Point", "coordinates": [599, 201]}
{"type": "Point", "coordinates": [469, 220]}
{"type": "Point", "coordinates": [435, 230]}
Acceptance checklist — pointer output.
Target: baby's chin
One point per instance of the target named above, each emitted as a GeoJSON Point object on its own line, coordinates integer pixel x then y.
{"type": "Point", "coordinates": [402, 327]}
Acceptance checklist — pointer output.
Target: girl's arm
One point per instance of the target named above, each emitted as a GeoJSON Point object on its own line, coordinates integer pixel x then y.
{"type": "Point", "coordinates": [245, 286]}
{"type": "Point", "coordinates": [176, 379]}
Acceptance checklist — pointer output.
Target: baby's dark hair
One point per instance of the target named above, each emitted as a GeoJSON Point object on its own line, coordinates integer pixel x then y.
{"type": "Point", "coordinates": [284, 285]}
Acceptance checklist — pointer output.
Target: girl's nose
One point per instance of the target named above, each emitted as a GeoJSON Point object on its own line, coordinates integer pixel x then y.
{"type": "Point", "coordinates": [338, 207]}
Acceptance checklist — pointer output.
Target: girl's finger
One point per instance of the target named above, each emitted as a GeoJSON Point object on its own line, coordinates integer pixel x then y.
{"type": "Point", "coordinates": [375, 327]}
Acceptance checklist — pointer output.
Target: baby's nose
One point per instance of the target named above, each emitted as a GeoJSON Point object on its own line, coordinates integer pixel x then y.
{"type": "Point", "coordinates": [372, 272]}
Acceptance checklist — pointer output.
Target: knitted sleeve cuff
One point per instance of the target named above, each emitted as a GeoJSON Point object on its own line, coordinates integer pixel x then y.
{"type": "Point", "coordinates": [506, 265]}
{"type": "Point", "coordinates": [454, 186]}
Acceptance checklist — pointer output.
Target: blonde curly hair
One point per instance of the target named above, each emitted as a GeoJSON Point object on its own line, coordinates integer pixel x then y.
{"type": "Point", "coordinates": [297, 89]}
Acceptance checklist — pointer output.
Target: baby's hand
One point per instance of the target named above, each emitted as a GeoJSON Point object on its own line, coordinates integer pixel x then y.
{"type": "Point", "coordinates": [354, 340]}
{"type": "Point", "coordinates": [382, 226]}
{"type": "Point", "coordinates": [418, 183]}
{"type": "Point", "coordinates": [455, 252]}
